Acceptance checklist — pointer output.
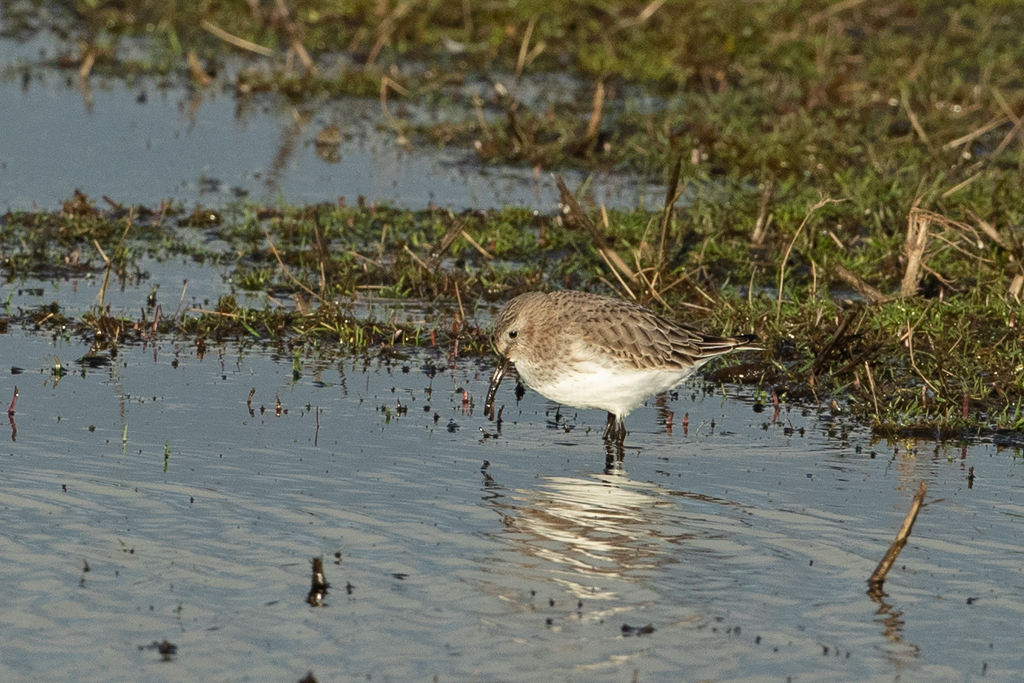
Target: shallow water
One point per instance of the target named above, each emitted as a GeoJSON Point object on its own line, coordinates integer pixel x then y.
{"type": "Point", "coordinates": [745, 546]}
{"type": "Point", "coordinates": [147, 142]}
{"type": "Point", "coordinates": [142, 501]}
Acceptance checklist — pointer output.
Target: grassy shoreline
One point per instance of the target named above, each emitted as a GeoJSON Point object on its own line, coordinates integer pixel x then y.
{"type": "Point", "coordinates": [849, 178]}
{"type": "Point", "coordinates": [945, 361]}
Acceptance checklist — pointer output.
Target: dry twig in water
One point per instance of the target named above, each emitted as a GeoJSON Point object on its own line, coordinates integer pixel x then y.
{"type": "Point", "coordinates": [878, 576]}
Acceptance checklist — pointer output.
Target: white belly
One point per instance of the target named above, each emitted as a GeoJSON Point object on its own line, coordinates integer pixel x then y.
{"type": "Point", "coordinates": [615, 389]}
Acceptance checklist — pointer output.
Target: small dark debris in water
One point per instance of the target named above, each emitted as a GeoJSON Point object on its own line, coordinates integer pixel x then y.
{"type": "Point", "coordinates": [15, 370]}
{"type": "Point", "coordinates": [207, 184]}
{"type": "Point", "coordinates": [551, 602]}
{"type": "Point", "coordinates": [1004, 438]}
{"type": "Point", "coordinates": [970, 477]}
{"type": "Point", "coordinates": [142, 97]}
{"type": "Point", "coordinates": [426, 408]}
{"type": "Point", "coordinates": [400, 576]}
{"type": "Point", "coordinates": [487, 463]}
{"type": "Point", "coordinates": [429, 369]}
{"type": "Point", "coordinates": [337, 557]}
{"type": "Point", "coordinates": [520, 391]}
{"type": "Point", "coordinates": [971, 601]}
{"type": "Point", "coordinates": [318, 585]}
{"type": "Point", "coordinates": [757, 640]}
{"type": "Point", "coordinates": [628, 630]}
{"type": "Point", "coordinates": [85, 567]}
{"type": "Point", "coordinates": [549, 621]}
{"type": "Point", "coordinates": [349, 588]}
{"type": "Point", "coordinates": [436, 418]}
{"type": "Point", "coordinates": [453, 426]}
{"type": "Point", "coordinates": [308, 678]}
{"type": "Point", "coordinates": [579, 604]}
{"type": "Point", "coordinates": [64, 488]}
{"type": "Point", "coordinates": [31, 291]}
{"type": "Point", "coordinates": [167, 649]}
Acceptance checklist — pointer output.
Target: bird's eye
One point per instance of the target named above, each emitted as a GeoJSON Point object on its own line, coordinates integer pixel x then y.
{"type": "Point", "coordinates": [512, 334]}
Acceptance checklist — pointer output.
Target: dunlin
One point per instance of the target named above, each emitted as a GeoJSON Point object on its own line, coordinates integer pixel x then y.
{"type": "Point", "coordinates": [591, 351]}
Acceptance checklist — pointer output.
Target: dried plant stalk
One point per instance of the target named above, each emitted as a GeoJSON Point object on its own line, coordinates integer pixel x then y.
{"type": "Point", "coordinates": [918, 223]}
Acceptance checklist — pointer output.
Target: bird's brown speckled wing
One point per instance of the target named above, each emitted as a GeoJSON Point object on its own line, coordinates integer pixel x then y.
{"type": "Point", "coordinates": [642, 338]}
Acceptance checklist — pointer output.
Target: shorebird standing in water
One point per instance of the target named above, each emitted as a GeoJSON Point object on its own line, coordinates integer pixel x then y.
{"type": "Point", "coordinates": [590, 351]}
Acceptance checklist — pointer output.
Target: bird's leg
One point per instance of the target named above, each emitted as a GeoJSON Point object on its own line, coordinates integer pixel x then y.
{"type": "Point", "coordinates": [615, 429]}
{"type": "Point", "coordinates": [610, 427]}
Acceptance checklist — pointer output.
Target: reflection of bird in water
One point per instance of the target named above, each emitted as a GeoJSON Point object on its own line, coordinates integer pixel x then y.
{"type": "Point", "coordinates": [602, 525]}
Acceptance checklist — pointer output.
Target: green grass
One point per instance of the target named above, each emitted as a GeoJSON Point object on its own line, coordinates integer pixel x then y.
{"type": "Point", "coordinates": [881, 107]}
{"type": "Point", "coordinates": [947, 360]}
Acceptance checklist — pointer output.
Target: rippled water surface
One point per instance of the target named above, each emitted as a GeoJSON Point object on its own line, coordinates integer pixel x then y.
{"type": "Point", "coordinates": [142, 501]}
{"type": "Point", "coordinates": [147, 500]}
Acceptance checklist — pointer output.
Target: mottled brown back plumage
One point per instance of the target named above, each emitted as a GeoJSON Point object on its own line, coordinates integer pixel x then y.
{"type": "Point", "coordinates": [631, 334]}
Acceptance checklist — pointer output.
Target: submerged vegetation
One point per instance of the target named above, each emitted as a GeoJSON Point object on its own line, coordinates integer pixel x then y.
{"type": "Point", "coordinates": [844, 179]}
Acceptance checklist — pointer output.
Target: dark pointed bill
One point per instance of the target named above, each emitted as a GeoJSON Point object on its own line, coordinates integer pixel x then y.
{"type": "Point", "coordinates": [496, 378]}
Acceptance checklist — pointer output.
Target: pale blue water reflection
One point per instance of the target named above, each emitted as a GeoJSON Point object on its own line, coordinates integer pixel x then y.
{"type": "Point", "coordinates": [744, 545]}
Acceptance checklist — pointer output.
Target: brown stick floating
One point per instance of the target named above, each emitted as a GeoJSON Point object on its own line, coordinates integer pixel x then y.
{"type": "Point", "coordinates": [878, 576]}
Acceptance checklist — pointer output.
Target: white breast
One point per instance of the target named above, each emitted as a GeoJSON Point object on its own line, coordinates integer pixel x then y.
{"type": "Point", "coordinates": [587, 384]}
